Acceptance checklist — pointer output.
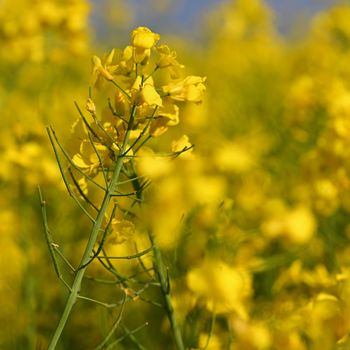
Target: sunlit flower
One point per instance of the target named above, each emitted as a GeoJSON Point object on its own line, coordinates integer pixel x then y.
{"type": "Point", "coordinates": [143, 39]}
{"type": "Point", "coordinates": [182, 146]}
{"type": "Point", "coordinates": [145, 93]}
{"type": "Point", "coordinates": [223, 288]}
{"type": "Point", "coordinates": [87, 159]}
{"type": "Point", "coordinates": [190, 89]}
{"type": "Point", "coordinates": [167, 59]}
{"type": "Point", "coordinates": [102, 69]}
{"type": "Point", "coordinates": [90, 106]}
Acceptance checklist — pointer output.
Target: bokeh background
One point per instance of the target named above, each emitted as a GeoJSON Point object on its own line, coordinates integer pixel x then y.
{"type": "Point", "coordinates": [255, 223]}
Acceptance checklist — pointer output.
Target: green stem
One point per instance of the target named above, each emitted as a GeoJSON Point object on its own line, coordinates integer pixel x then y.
{"type": "Point", "coordinates": [164, 285]}
{"type": "Point", "coordinates": [76, 286]}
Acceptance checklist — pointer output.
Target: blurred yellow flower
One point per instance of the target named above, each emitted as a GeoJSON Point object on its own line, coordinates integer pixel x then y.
{"type": "Point", "coordinates": [212, 343]}
{"type": "Point", "coordinates": [298, 224]}
{"type": "Point", "coordinates": [223, 288]}
{"type": "Point", "coordinates": [87, 159]}
{"type": "Point", "coordinates": [152, 166]}
{"type": "Point", "coordinates": [182, 146]}
{"type": "Point", "coordinates": [234, 157]}
{"type": "Point", "coordinates": [122, 230]}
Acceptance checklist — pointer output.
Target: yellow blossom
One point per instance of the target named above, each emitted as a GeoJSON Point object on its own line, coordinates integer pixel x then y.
{"type": "Point", "coordinates": [223, 288]}
{"type": "Point", "coordinates": [87, 159]}
{"type": "Point", "coordinates": [152, 166]}
{"type": "Point", "coordinates": [212, 343]}
{"type": "Point", "coordinates": [122, 230]}
{"type": "Point", "coordinates": [90, 106]}
{"type": "Point", "coordinates": [170, 111]}
{"type": "Point", "coordinates": [234, 157]}
{"type": "Point", "coordinates": [190, 89]}
{"type": "Point", "coordinates": [300, 225]}
{"type": "Point", "coordinates": [158, 126]}
{"type": "Point", "coordinates": [143, 39]}
{"type": "Point", "coordinates": [120, 103]}
{"type": "Point", "coordinates": [102, 69]}
{"type": "Point", "coordinates": [167, 59]}
{"type": "Point", "coordinates": [145, 93]}
{"type": "Point", "coordinates": [150, 96]}
{"type": "Point", "coordinates": [182, 146]}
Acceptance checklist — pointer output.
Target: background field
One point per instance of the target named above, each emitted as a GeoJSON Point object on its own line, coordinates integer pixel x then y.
{"type": "Point", "coordinates": [254, 226]}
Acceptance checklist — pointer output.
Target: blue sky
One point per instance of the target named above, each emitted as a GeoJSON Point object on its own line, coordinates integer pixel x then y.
{"type": "Point", "coordinates": [184, 15]}
{"type": "Point", "coordinates": [188, 11]}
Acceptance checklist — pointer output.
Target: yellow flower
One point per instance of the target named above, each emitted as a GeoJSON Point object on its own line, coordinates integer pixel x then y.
{"type": "Point", "coordinates": [87, 159]}
{"type": "Point", "coordinates": [150, 96]}
{"type": "Point", "coordinates": [145, 93]}
{"type": "Point", "coordinates": [167, 59]}
{"type": "Point", "coordinates": [224, 288]}
{"type": "Point", "coordinates": [142, 40]}
{"type": "Point", "coordinates": [122, 230]}
{"type": "Point", "coordinates": [234, 157]}
{"type": "Point", "coordinates": [102, 70]}
{"type": "Point", "coordinates": [190, 89]}
{"type": "Point", "coordinates": [300, 225]}
{"type": "Point", "coordinates": [159, 126]}
{"type": "Point", "coordinates": [170, 111]}
{"type": "Point", "coordinates": [210, 343]}
{"type": "Point", "coordinates": [90, 106]}
{"type": "Point", "coordinates": [152, 166]}
{"type": "Point", "coordinates": [120, 103]}
{"type": "Point", "coordinates": [182, 146]}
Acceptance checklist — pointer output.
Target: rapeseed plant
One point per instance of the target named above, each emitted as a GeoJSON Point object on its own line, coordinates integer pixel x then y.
{"type": "Point", "coordinates": [112, 140]}
{"type": "Point", "coordinates": [252, 226]}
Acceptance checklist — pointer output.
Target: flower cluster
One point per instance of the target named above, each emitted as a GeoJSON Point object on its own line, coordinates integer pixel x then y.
{"type": "Point", "coordinates": [137, 94]}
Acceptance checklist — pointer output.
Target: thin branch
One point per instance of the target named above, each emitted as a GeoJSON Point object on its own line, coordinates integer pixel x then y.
{"type": "Point", "coordinates": [129, 257]}
{"type": "Point", "coordinates": [68, 158]}
{"type": "Point", "coordinates": [55, 247]}
{"type": "Point", "coordinates": [114, 113]}
{"type": "Point", "coordinates": [86, 122]}
{"type": "Point", "coordinates": [109, 306]}
{"type": "Point", "coordinates": [143, 131]}
{"type": "Point", "coordinates": [81, 192]}
{"type": "Point", "coordinates": [142, 264]}
{"type": "Point", "coordinates": [99, 159]}
{"type": "Point", "coordinates": [133, 338]}
{"type": "Point", "coordinates": [159, 266]}
{"type": "Point", "coordinates": [105, 233]}
{"type": "Point", "coordinates": [113, 328]}
{"type": "Point", "coordinates": [120, 88]}
{"type": "Point", "coordinates": [49, 240]}
{"type": "Point", "coordinates": [211, 328]}
{"type": "Point", "coordinates": [128, 334]}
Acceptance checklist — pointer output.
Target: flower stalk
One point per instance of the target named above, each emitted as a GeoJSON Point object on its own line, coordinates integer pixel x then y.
{"type": "Point", "coordinates": [88, 253]}
{"type": "Point", "coordinates": [165, 288]}
{"type": "Point", "coordinates": [111, 149]}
